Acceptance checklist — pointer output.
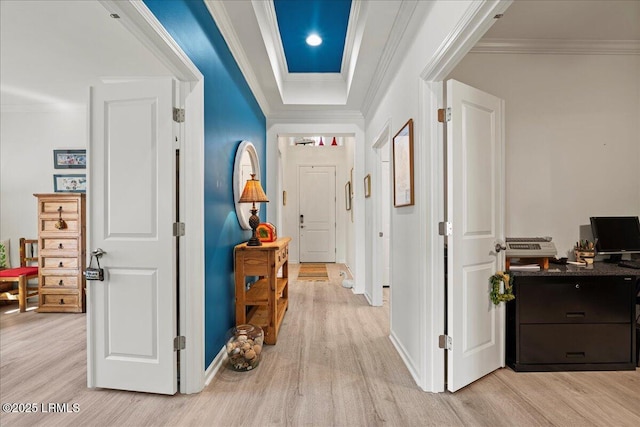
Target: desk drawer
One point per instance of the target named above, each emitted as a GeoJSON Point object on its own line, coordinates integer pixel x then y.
{"type": "Point", "coordinates": [566, 343]}
{"type": "Point", "coordinates": [574, 299]}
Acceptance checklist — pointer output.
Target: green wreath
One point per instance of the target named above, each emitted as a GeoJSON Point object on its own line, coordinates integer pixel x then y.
{"type": "Point", "coordinates": [496, 280]}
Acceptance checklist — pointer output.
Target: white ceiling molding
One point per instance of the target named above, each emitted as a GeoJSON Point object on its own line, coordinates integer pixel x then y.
{"type": "Point", "coordinates": [566, 47]}
{"type": "Point", "coordinates": [309, 88]}
{"type": "Point", "coordinates": [222, 20]}
{"type": "Point", "coordinates": [400, 24]}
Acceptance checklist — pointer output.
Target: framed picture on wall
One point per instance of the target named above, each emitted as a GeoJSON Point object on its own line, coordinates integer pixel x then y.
{"type": "Point", "coordinates": [69, 159]}
{"type": "Point", "coordinates": [73, 183]}
{"type": "Point", "coordinates": [403, 166]}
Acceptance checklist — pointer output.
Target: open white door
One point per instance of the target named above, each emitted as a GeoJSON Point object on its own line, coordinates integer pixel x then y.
{"type": "Point", "coordinates": [131, 315]}
{"type": "Point", "coordinates": [317, 213]}
{"type": "Point", "coordinates": [475, 209]}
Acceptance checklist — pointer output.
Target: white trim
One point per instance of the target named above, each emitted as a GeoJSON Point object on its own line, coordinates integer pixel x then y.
{"type": "Point", "coordinates": [223, 22]}
{"type": "Point", "coordinates": [138, 19]}
{"type": "Point", "coordinates": [475, 22]}
{"type": "Point", "coordinates": [378, 81]}
{"type": "Point", "coordinates": [406, 358]}
{"type": "Point", "coordinates": [215, 366]}
{"type": "Point", "coordinates": [381, 142]}
{"type": "Point", "coordinates": [562, 47]}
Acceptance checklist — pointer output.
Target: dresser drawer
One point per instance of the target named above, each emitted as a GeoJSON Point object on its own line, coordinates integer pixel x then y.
{"type": "Point", "coordinates": [58, 282]}
{"type": "Point", "coordinates": [572, 343]}
{"type": "Point", "coordinates": [574, 300]}
{"type": "Point", "coordinates": [59, 300]}
{"type": "Point", "coordinates": [49, 225]}
{"type": "Point", "coordinates": [53, 246]}
{"type": "Point", "coordinates": [59, 262]}
{"type": "Point", "coordinates": [54, 206]}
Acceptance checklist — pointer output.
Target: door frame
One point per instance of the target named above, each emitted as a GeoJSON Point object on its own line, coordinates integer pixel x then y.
{"type": "Point", "coordinates": [478, 19]}
{"type": "Point", "coordinates": [381, 142]}
{"type": "Point", "coordinates": [335, 205]}
{"type": "Point", "coordinates": [136, 17]}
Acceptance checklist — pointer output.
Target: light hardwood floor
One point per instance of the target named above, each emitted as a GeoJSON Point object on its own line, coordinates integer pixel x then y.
{"type": "Point", "coordinates": [333, 365]}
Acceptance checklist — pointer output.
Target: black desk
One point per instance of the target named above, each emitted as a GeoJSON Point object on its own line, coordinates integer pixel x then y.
{"type": "Point", "coordinates": [571, 318]}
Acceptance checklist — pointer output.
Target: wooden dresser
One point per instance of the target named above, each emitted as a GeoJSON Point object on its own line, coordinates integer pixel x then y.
{"type": "Point", "coordinates": [265, 302]}
{"type": "Point", "coordinates": [61, 260]}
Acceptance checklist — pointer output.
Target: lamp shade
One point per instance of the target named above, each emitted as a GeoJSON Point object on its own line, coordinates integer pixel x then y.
{"type": "Point", "coordinates": [253, 192]}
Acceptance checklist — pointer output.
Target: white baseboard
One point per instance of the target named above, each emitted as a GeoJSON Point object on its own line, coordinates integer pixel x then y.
{"type": "Point", "coordinates": [215, 365]}
{"type": "Point", "coordinates": [407, 360]}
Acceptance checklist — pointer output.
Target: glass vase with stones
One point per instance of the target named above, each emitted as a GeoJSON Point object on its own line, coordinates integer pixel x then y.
{"type": "Point", "coordinates": [244, 347]}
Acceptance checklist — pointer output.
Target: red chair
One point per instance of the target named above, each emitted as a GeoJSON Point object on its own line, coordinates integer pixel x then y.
{"type": "Point", "coordinates": [21, 275]}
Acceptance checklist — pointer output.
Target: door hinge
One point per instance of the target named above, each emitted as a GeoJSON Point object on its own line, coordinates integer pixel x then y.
{"type": "Point", "coordinates": [444, 115]}
{"type": "Point", "coordinates": [445, 228]}
{"type": "Point", "coordinates": [178, 115]}
{"type": "Point", "coordinates": [179, 343]}
{"type": "Point", "coordinates": [445, 341]}
{"type": "Point", "coordinates": [178, 229]}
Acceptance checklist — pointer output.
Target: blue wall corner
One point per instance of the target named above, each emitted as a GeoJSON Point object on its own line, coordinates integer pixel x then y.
{"type": "Point", "coordinates": [232, 115]}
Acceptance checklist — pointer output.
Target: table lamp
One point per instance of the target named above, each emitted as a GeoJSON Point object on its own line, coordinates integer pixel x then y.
{"type": "Point", "coordinates": [253, 193]}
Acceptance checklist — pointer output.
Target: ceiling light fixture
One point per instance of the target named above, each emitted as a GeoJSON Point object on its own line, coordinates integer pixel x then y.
{"type": "Point", "coordinates": [314, 40]}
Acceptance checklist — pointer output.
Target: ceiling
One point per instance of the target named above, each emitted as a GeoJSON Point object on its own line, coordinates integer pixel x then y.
{"type": "Point", "coordinates": [43, 61]}
{"type": "Point", "coordinates": [298, 20]}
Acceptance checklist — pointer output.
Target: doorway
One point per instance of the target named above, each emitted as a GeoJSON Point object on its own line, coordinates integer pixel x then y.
{"type": "Point", "coordinates": [382, 219]}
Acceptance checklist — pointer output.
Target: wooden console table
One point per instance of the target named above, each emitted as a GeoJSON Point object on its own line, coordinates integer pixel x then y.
{"type": "Point", "coordinates": [266, 301]}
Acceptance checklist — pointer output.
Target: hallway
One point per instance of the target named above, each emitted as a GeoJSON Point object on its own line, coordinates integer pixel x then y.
{"type": "Point", "coordinates": [333, 365]}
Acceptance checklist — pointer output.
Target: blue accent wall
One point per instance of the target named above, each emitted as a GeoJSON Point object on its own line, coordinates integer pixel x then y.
{"type": "Point", "coordinates": [232, 114]}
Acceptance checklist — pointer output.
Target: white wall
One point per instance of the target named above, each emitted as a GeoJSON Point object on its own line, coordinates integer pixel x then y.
{"type": "Point", "coordinates": [572, 138]}
{"type": "Point", "coordinates": [27, 141]}
{"type": "Point", "coordinates": [417, 298]}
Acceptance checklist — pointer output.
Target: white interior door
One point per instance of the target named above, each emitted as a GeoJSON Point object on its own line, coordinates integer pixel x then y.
{"type": "Point", "coordinates": [317, 213]}
{"type": "Point", "coordinates": [475, 204]}
{"type": "Point", "coordinates": [131, 315]}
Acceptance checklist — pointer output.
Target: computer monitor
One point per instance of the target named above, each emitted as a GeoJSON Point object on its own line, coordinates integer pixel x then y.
{"type": "Point", "coordinates": [616, 235]}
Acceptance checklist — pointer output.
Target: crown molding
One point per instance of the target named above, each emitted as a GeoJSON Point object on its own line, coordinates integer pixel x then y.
{"type": "Point", "coordinates": [222, 20]}
{"type": "Point", "coordinates": [565, 47]}
{"type": "Point", "coordinates": [400, 25]}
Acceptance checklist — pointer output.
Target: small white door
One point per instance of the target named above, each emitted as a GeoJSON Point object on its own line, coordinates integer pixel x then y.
{"type": "Point", "coordinates": [317, 213]}
{"type": "Point", "coordinates": [131, 315]}
{"type": "Point", "coordinates": [475, 205]}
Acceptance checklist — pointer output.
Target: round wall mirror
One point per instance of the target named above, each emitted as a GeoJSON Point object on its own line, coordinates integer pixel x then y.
{"type": "Point", "coordinates": [246, 163]}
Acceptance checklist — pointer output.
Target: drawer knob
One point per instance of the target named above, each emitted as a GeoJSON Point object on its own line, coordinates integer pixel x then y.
{"type": "Point", "coordinates": [61, 282]}
{"type": "Point", "coordinates": [61, 301]}
{"type": "Point", "coordinates": [59, 245]}
{"type": "Point", "coordinates": [577, 285]}
{"type": "Point", "coordinates": [60, 264]}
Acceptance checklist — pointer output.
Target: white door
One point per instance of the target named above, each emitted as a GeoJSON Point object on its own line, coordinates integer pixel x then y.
{"type": "Point", "coordinates": [317, 213]}
{"type": "Point", "coordinates": [131, 315]}
{"type": "Point", "coordinates": [475, 204]}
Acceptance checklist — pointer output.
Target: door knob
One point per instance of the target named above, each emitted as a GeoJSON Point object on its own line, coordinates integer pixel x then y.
{"type": "Point", "coordinates": [97, 253]}
{"type": "Point", "coordinates": [500, 247]}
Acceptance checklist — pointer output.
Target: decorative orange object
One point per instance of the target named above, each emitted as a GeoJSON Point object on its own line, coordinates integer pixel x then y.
{"type": "Point", "coordinates": [266, 232]}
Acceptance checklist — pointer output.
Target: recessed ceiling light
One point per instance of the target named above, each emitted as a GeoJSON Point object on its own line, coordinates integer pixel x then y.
{"type": "Point", "coordinates": [314, 40]}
